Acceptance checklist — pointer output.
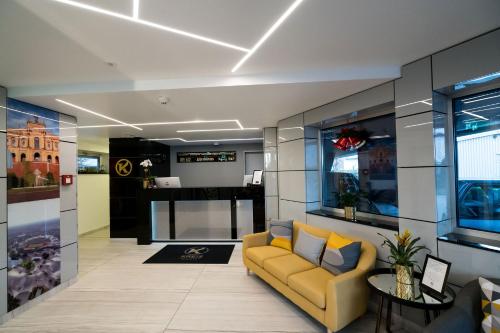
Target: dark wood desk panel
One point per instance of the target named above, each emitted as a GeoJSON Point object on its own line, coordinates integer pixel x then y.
{"type": "Point", "coordinates": [146, 196]}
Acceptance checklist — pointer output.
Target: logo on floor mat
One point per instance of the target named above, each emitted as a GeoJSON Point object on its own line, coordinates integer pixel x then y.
{"type": "Point", "coordinates": [195, 253]}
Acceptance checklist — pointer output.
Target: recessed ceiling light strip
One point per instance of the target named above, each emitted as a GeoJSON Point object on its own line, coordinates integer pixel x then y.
{"type": "Point", "coordinates": [35, 115]}
{"type": "Point", "coordinates": [204, 140]}
{"type": "Point", "coordinates": [135, 13]}
{"type": "Point", "coordinates": [273, 28]}
{"type": "Point", "coordinates": [150, 24]}
{"type": "Point", "coordinates": [219, 130]}
{"type": "Point", "coordinates": [97, 114]}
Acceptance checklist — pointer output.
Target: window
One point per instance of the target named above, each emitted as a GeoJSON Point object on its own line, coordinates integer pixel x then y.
{"type": "Point", "coordinates": [37, 143]}
{"type": "Point", "coordinates": [370, 170]}
{"type": "Point", "coordinates": [477, 136]}
{"type": "Point", "coordinates": [88, 164]}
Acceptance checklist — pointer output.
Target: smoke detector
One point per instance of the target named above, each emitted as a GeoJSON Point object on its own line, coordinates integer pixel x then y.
{"type": "Point", "coordinates": [163, 100]}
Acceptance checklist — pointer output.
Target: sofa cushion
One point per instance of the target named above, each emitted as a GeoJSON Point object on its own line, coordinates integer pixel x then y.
{"type": "Point", "coordinates": [490, 303]}
{"type": "Point", "coordinates": [281, 234]}
{"type": "Point", "coordinates": [341, 254]}
{"type": "Point", "coordinates": [309, 247]}
{"type": "Point", "coordinates": [312, 285]}
{"type": "Point", "coordinates": [260, 253]}
{"type": "Point", "coordinates": [284, 266]}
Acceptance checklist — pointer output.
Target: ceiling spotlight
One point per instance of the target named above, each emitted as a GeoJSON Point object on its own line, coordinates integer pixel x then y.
{"type": "Point", "coordinates": [163, 100]}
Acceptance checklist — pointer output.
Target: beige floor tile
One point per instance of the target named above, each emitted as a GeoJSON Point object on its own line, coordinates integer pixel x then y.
{"type": "Point", "coordinates": [117, 293]}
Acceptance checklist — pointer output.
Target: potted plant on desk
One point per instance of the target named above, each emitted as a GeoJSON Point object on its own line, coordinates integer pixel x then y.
{"type": "Point", "coordinates": [349, 200]}
{"type": "Point", "coordinates": [148, 179]}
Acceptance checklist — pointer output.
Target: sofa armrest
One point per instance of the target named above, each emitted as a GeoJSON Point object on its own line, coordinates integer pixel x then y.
{"type": "Point", "coordinates": [254, 240]}
{"type": "Point", "coordinates": [347, 298]}
{"type": "Point", "coordinates": [347, 294]}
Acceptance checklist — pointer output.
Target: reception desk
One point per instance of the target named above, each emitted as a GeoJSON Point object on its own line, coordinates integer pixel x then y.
{"type": "Point", "coordinates": [146, 198]}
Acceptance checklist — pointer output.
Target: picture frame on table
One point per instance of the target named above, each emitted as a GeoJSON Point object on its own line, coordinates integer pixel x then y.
{"type": "Point", "coordinates": [435, 276]}
{"type": "Point", "coordinates": [257, 177]}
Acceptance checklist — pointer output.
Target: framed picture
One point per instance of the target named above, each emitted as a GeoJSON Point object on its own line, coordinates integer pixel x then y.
{"type": "Point", "coordinates": [257, 177]}
{"type": "Point", "coordinates": [435, 275]}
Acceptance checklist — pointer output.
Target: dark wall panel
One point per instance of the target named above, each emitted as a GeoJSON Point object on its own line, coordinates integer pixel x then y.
{"type": "Point", "coordinates": [124, 185]}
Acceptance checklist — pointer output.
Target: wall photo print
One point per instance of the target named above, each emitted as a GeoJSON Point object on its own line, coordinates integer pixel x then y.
{"type": "Point", "coordinates": [33, 244]}
{"type": "Point", "coordinates": [33, 152]}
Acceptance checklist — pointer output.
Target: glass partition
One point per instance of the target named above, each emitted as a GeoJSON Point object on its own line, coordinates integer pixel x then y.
{"type": "Point", "coordinates": [360, 158]}
{"type": "Point", "coordinates": [477, 136]}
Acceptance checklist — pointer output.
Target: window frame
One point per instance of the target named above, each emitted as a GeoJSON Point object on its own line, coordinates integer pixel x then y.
{"type": "Point", "coordinates": [339, 211]}
{"type": "Point", "coordinates": [90, 156]}
{"type": "Point", "coordinates": [465, 94]}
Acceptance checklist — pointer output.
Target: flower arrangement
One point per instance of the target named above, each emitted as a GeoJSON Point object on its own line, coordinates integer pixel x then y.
{"type": "Point", "coordinates": [403, 251]}
{"type": "Point", "coordinates": [148, 178]}
{"type": "Point", "coordinates": [146, 164]}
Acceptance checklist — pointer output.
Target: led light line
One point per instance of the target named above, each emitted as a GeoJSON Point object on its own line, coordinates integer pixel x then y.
{"type": "Point", "coordinates": [219, 130]}
{"type": "Point", "coordinates": [475, 115]}
{"type": "Point", "coordinates": [203, 140]}
{"type": "Point", "coordinates": [424, 101]}
{"type": "Point", "coordinates": [35, 115]}
{"type": "Point", "coordinates": [150, 24]}
{"type": "Point", "coordinates": [480, 99]}
{"type": "Point", "coordinates": [97, 114]}
{"type": "Point", "coordinates": [135, 13]}
{"type": "Point", "coordinates": [273, 28]}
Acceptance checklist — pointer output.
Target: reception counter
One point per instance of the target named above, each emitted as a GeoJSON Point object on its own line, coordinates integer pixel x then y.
{"type": "Point", "coordinates": [148, 199]}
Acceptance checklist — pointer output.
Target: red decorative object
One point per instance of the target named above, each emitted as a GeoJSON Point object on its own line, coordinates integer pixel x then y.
{"type": "Point", "coordinates": [350, 139]}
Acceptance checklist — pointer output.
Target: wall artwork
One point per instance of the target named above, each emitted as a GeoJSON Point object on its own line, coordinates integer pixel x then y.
{"type": "Point", "coordinates": [33, 244]}
{"type": "Point", "coordinates": [33, 152]}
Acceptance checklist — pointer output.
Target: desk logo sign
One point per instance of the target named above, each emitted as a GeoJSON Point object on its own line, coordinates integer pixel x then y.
{"type": "Point", "coordinates": [194, 253]}
{"type": "Point", "coordinates": [123, 167]}
{"type": "Point", "coordinates": [215, 156]}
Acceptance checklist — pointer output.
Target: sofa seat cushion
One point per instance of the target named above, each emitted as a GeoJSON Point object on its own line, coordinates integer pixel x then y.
{"type": "Point", "coordinates": [260, 253]}
{"type": "Point", "coordinates": [312, 285]}
{"type": "Point", "coordinates": [284, 266]}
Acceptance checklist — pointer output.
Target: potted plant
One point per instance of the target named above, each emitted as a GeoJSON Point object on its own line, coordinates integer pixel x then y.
{"type": "Point", "coordinates": [349, 200]}
{"type": "Point", "coordinates": [402, 260]}
{"type": "Point", "coordinates": [146, 164]}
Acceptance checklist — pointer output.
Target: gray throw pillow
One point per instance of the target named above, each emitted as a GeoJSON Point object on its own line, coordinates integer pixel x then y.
{"type": "Point", "coordinates": [309, 247]}
{"type": "Point", "coordinates": [281, 234]}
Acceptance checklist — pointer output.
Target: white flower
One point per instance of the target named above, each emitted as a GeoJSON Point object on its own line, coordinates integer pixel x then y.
{"type": "Point", "coordinates": [146, 163]}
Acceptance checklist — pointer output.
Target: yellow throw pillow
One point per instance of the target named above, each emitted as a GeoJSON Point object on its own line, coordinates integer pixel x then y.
{"type": "Point", "coordinates": [282, 242]}
{"type": "Point", "coordinates": [337, 241]}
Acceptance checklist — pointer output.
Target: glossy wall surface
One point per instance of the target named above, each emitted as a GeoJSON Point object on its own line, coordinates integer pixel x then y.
{"type": "Point", "coordinates": [421, 102]}
{"type": "Point", "coordinates": [124, 185]}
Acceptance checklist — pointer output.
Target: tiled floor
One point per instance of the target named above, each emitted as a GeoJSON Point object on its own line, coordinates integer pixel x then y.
{"type": "Point", "coordinates": [115, 292]}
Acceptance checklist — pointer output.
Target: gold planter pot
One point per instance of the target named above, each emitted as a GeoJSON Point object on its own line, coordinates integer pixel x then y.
{"type": "Point", "coordinates": [145, 183]}
{"type": "Point", "coordinates": [404, 282]}
{"type": "Point", "coordinates": [350, 213]}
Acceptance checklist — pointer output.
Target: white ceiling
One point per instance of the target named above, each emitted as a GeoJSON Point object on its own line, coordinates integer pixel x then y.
{"type": "Point", "coordinates": [325, 50]}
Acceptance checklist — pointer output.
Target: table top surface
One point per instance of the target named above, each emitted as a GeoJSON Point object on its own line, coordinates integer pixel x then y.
{"type": "Point", "coordinates": [383, 281]}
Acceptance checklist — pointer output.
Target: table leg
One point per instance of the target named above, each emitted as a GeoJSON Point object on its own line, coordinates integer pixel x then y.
{"type": "Point", "coordinates": [427, 317]}
{"type": "Point", "coordinates": [379, 314]}
{"type": "Point", "coordinates": [389, 317]}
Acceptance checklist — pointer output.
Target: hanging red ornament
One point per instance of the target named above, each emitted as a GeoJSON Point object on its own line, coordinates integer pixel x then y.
{"type": "Point", "coordinates": [350, 139]}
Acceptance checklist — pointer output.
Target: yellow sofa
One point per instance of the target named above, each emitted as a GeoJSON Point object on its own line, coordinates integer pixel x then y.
{"type": "Point", "coordinates": [334, 300]}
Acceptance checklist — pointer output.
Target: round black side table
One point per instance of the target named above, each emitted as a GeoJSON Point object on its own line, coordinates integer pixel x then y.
{"type": "Point", "coordinates": [383, 282]}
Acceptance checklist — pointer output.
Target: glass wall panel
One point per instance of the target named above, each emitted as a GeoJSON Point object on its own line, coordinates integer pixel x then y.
{"type": "Point", "coordinates": [360, 158]}
{"type": "Point", "coordinates": [477, 135]}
